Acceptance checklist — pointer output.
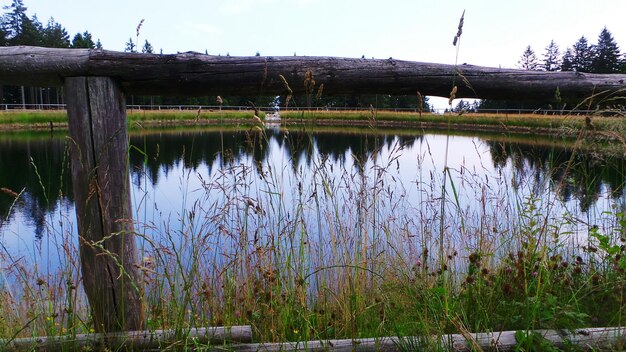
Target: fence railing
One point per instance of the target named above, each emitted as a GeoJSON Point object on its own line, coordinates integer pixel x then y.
{"type": "Point", "coordinates": [180, 107]}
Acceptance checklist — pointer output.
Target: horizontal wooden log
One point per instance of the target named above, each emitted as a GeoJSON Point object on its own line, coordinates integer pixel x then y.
{"type": "Point", "coordinates": [586, 339]}
{"type": "Point", "coordinates": [198, 74]}
{"type": "Point", "coordinates": [133, 340]}
{"type": "Point", "coordinates": [610, 338]}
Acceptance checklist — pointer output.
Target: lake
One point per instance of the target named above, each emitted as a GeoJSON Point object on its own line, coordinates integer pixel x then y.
{"type": "Point", "coordinates": [336, 192]}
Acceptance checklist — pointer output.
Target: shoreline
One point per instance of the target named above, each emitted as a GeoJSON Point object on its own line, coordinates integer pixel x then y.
{"type": "Point", "coordinates": [564, 126]}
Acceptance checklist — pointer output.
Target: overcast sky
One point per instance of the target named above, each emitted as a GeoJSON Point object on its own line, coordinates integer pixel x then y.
{"type": "Point", "coordinates": [495, 33]}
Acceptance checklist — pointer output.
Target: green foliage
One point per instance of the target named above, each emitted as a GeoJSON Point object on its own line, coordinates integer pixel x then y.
{"type": "Point", "coordinates": [529, 341]}
{"type": "Point", "coordinates": [55, 35]}
{"type": "Point", "coordinates": [83, 40]}
{"type": "Point", "coordinates": [582, 56]}
{"type": "Point", "coordinates": [147, 48]}
{"type": "Point", "coordinates": [130, 46]}
{"type": "Point", "coordinates": [13, 19]}
{"type": "Point", "coordinates": [607, 54]}
{"type": "Point", "coordinates": [551, 59]}
{"type": "Point", "coordinates": [528, 60]}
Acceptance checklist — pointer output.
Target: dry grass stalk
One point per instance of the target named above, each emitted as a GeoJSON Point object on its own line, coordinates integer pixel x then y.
{"type": "Point", "coordinates": [9, 192]}
{"type": "Point", "coordinates": [452, 95]}
{"type": "Point", "coordinates": [309, 86]}
{"type": "Point", "coordinates": [256, 110]}
{"type": "Point", "coordinates": [287, 88]}
{"type": "Point", "coordinates": [420, 103]}
{"type": "Point", "coordinates": [320, 90]}
{"type": "Point", "coordinates": [309, 81]}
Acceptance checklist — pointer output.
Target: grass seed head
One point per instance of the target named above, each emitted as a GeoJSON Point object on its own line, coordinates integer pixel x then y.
{"type": "Point", "coordinates": [459, 30]}
{"type": "Point", "coordinates": [139, 26]}
{"type": "Point", "coordinates": [452, 95]}
{"type": "Point", "coordinates": [320, 90]}
{"type": "Point", "coordinates": [309, 81]}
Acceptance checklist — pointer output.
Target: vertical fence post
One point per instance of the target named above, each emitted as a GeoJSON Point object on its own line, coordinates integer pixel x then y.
{"type": "Point", "coordinates": [99, 157]}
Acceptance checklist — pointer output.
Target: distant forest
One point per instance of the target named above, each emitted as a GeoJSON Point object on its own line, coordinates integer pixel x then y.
{"type": "Point", "coordinates": [17, 28]}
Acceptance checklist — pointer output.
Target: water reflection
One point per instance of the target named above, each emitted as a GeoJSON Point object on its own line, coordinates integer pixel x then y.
{"type": "Point", "coordinates": [37, 168]}
{"type": "Point", "coordinates": [38, 165]}
{"type": "Point", "coordinates": [579, 175]}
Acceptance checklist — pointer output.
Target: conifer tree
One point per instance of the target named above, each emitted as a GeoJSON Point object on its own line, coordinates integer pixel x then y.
{"type": "Point", "coordinates": [606, 58]}
{"type": "Point", "coordinates": [528, 60]}
{"type": "Point", "coordinates": [551, 59]}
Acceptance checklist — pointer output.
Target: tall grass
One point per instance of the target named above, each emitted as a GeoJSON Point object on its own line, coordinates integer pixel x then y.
{"type": "Point", "coordinates": [344, 251]}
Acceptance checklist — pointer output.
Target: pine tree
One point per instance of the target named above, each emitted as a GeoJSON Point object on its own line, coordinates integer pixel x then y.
{"type": "Point", "coordinates": [147, 48]}
{"type": "Point", "coordinates": [551, 60]}
{"type": "Point", "coordinates": [606, 58]}
{"type": "Point", "coordinates": [567, 63]}
{"type": "Point", "coordinates": [55, 36]}
{"type": "Point", "coordinates": [13, 19]}
{"type": "Point", "coordinates": [583, 55]}
{"type": "Point", "coordinates": [528, 60]}
{"type": "Point", "coordinates": [83, 40]}
{"type": "Point", "coordinates": [3, 37]}
{"type": "Point", "coordinates": [31, 32]}
{"type": "Point", "coordinates": [130, 46]}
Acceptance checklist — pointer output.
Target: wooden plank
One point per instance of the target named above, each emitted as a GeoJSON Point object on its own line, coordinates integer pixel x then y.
{"type": "Point", "coordinates": [198, 74]}
{"type": "Point", "coordinates": [611, 338]}
{"type": "Point", "coordinates": [99, 158]}
{"type": "Point", "coordinates": [136, 340]}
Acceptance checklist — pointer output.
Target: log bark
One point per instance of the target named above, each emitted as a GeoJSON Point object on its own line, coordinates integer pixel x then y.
{"type": "Point", "coordinates": [198, 74]}
{"type": "Point", "coordinates": [131, 340]}
{"type": "Point", "coordinates": [99, 160]}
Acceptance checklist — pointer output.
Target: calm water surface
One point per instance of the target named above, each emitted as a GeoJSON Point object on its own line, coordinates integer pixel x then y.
{"type": "Point", "coordinates": [321, 183]}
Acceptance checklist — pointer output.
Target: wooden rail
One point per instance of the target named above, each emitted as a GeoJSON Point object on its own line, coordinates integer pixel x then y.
{"type": "Point", "coordinates": [238, 338]}
{"type": "Point", "coordinates": [194, 74]}
{"type": "Point", "coordinates": [131, 340]}
{"type": "Point", "coordinates": [595, 339]}
{"type": "Point", "coordinates": [95, 82]}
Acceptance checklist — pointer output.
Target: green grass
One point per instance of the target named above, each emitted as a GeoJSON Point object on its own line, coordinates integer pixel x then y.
{"type": "Point", "coordinates": [608, 127]}
{"type": "Point", "coordinates": [26, 117]}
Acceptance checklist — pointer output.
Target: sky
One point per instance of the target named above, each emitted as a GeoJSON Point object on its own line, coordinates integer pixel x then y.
{"type": "Point", "coordinates": [495, 32]}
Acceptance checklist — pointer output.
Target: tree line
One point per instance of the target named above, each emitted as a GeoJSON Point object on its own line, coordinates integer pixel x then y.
{"type": "Point", "coordinates": [582, 56]}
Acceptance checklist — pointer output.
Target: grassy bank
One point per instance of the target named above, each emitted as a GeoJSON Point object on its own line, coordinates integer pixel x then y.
{"type": "Point", "coordinates": [612, 127]}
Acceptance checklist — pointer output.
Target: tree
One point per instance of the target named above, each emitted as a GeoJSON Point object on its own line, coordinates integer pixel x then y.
{"type": "Point", "coordinates": [528, 60]}
{"type": "Point", "coordinates": [582, 55]}
{"type": "Point", "coordinates": [567, 64]}
{"type": "Point", "coordinates": [130, 46]}
{"type": "Point", "coordinates": [147, 48]}
{"type": "Point", "coordinates": [98, 44]}
{"type": "Point", "coordinates": [12, 20]}
{"type": "Point", "coordinates": [83, 40]}
{"type": "Point", "coordinates": [606, 58]}
{"type": "Point", "coordinates": [55, 36]}
{"type": "Point", "coordinates": [551, 60]}
{"type": "Point", "coordinates": [3, 37]}
{"type": "Point", "coordinates": [31, 33]}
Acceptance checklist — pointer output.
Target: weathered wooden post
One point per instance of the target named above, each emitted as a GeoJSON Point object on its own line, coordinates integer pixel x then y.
{"type": "Point", "coordinates": [99, 154]}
